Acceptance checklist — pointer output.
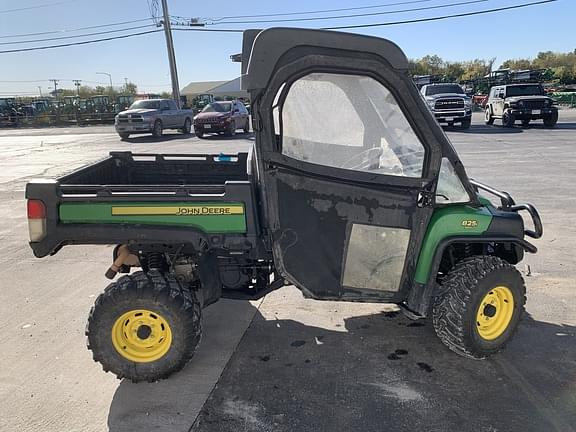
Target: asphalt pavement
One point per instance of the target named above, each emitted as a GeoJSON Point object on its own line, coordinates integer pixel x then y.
{"type": "Point", "coordinates": [288, 363]}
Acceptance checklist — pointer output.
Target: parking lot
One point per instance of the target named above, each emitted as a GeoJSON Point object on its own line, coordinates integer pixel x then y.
{"type": "Point", "coordinates": [286, 363]}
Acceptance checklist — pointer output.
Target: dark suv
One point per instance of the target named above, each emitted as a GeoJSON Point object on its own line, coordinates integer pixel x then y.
{"type": "Point", "coordinates": [524, 102]}
{"type": "Point", "coordinates": [222, 117]}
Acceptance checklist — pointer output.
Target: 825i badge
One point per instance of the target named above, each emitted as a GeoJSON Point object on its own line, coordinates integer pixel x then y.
{"type": "Point", "coordinates": [470, 223]}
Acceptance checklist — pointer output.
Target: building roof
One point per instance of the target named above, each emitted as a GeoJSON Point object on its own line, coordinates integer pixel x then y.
{"type": "Point", "coordinates": [201, 87]}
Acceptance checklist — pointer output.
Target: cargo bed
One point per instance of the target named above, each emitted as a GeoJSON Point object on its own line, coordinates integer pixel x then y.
{"type": "Point", "coordinates": [150, 198]}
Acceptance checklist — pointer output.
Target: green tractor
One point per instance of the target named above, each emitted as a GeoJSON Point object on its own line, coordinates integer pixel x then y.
{"type": "Point", "coordinates": [351, 192]}
{"type": "Point", "coordinates": [200, 101]}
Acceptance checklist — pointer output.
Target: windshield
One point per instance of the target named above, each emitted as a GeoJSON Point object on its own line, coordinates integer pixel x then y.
{"type": "Point", "coordinates": [525, 90]}
{"type": "Point", "coordinates": [443, 88]}
{"type": "Point", "coordinates": [146, 104]}
{"type": "Point", "coordinates": [218, 107]}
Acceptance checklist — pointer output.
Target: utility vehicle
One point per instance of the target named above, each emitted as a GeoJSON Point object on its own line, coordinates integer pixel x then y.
{"type": "Point", "coordinates": [378, 211]}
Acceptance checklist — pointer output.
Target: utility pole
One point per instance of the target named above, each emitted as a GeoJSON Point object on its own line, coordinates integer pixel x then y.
{"type": "Point", "coordinates": [55, 81]}
{"type": "Point", "coordinates": [109, 77]}
{"type": "Point", "coordinates": [77, 84]}
{"type": "Point", "coordinates": [40, 90]}
{"type": "Point", "coordinates": [171, 56]}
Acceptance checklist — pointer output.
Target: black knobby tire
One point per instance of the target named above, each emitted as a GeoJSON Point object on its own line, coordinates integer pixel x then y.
{"type": "Point", "coordinates": [247, 127]}
{"type": "Point", "coordinates": [551, 121]}
{"type": "Point", "coordinates": [488, 119]}
{"type": "Point", "coordinates": [465, 124]}
{"type": "Point", "coordinates": [164, 296]}
{"type": "Point", "coordinates": [157, 131]}
{"type": "Point", "coordinates": [124, 135]}
{"type": "Point", "coordinates": [508, 120]}
{"type": "Point", "coordinates": [456, 305]}
{"type": "Point", "coordinates": [187, 128]}
{"type": "Point", "coordinates": [200, 134]}
{"type": "Point", "coordinates": [525, 122]}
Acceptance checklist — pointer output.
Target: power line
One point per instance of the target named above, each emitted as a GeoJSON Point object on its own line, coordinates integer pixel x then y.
{"type": "Point", "coordinates": [77, 36]}
{"type": "Point", "coordinates": [356, 15]}
{"type": "Point", "coordinates": [460, 15]}
{"type": "Point", "coordinates": [75, 29]}
{"type": "Point", "coordinates": [322, 11]}
{"type": "Point", "coordinates": [80, 43]}
{"type": "Point", "coordinates": [209, 30]}
{"type": "Point", "coordinates": [37, 6]}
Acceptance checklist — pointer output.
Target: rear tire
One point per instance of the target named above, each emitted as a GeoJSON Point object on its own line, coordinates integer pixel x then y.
{"type": "Point", "coordinates": [551, 121]}
{"type": "Point", "coordinates": [247, 127]}
{"type": "Point", "coordinates": [465, 124]}
{"type": "Point", "coordinates": [144, 327]}
{"type": "Point", "coordinates": [187, 128]}
{"type": "Point", "coordinates": [508, 120]}
{"type": "Point", "coordinates": [124, 135]}
{"type": "Point", "coordinates": [488, 119]}
{"type": "Point", "coordinates": [157, 131]}
{"type": "Point", "coordinates": [461, 315]}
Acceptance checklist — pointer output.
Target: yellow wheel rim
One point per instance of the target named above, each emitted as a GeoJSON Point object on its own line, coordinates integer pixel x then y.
{"type": "Point", "coordinates": [141, 336]}
{"type": "Point", "coordinates": [495, 313]}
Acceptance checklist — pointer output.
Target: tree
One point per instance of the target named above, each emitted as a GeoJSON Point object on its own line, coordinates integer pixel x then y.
{"type": "Point", "coordinates": [130, 89]}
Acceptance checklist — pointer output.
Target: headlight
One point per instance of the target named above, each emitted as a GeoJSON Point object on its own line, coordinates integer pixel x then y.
{"type": "Point", "coordinates": [430, 102]}
{"type": "Point", "coordinates": [468, 103]}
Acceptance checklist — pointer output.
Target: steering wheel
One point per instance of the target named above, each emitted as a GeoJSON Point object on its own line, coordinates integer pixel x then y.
{"type": "Point", "coordinates": [364, 160]}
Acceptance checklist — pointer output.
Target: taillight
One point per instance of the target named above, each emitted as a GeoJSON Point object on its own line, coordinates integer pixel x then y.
{"type": "Point", "coordinates": [36, 220]}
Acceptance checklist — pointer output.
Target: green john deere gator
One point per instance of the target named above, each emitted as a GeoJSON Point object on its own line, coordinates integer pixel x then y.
{"type": "Point", "coordinates": [351, 192]}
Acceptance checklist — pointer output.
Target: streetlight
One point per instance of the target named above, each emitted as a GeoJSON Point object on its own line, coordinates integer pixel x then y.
{"type": "Point", "coordinates": [109, 77]}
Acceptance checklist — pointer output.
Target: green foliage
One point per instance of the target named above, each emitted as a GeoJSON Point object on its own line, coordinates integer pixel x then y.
{"type": "Point", "coordinates": [560, 67]}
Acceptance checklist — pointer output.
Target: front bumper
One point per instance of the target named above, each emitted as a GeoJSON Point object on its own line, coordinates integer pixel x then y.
{"type": "Point", "coordinates": [509, 205]}
{"type": "Point", "coordinates": [211, 127]}
{"type": "Point", "coordinates": [133, 127]}
{"type": "Point", "coordinates": [455, 116]}
{"type": "Point", "coordinates": [530, 114]}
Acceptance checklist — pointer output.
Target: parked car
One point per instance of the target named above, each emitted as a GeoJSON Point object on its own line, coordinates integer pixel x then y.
{"type": "Point", "coordinates": [449, 103]}
{"type": "Point", "coordinates": [222, 117]}
{"type": "Point", "coordinates": [524, 102]}
{"type": "Point", "coordinates": [152, 115]}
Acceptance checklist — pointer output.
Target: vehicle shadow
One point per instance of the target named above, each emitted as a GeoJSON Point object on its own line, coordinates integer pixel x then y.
{"type": "Point", "coordinates": [137, 139]}
{"type": "Point", "coordinates": [388, 373]}
{"type": "Point", "coordinates": [222, 137]}
{"type": "Point", "coordinates": [487, 130]}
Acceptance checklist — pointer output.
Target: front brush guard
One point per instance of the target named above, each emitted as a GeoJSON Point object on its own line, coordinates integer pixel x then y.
{"type": "Point", "coordinates": [508, 204]}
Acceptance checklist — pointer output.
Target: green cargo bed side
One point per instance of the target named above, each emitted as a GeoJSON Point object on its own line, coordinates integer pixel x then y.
{"type": "Point", "coordinates": [210, 217]}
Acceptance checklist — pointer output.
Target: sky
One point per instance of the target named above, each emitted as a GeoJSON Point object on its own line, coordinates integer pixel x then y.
{"type": "Point", "coordinates": [518, 33]}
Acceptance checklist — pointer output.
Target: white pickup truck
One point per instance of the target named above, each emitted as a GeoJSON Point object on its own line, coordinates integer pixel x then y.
{"type": "Point", "coordinates": [152, 116]}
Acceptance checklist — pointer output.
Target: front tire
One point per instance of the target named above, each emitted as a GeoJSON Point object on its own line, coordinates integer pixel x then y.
{"type": "Point", "coordinates": [247, 126]}
{"type": "Point", "coordinates": [479, 306]}
{"type": "Point", "coordinates": [551, 121]}
{"type": "Point", "coordinates": [157, 130]}
{"type": "Point", "coordinates": [508, 120]}
{"type": "Point", "coordinates": [465, 124]}
{"type": "Point", "coordinates": [124, 135]}
{"type": "Point", "coordinates": [526, 122]}
{"type": "Point", "coordinates": [231, 131]}
{"type": "Point", "coordinates": [144, 327]}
